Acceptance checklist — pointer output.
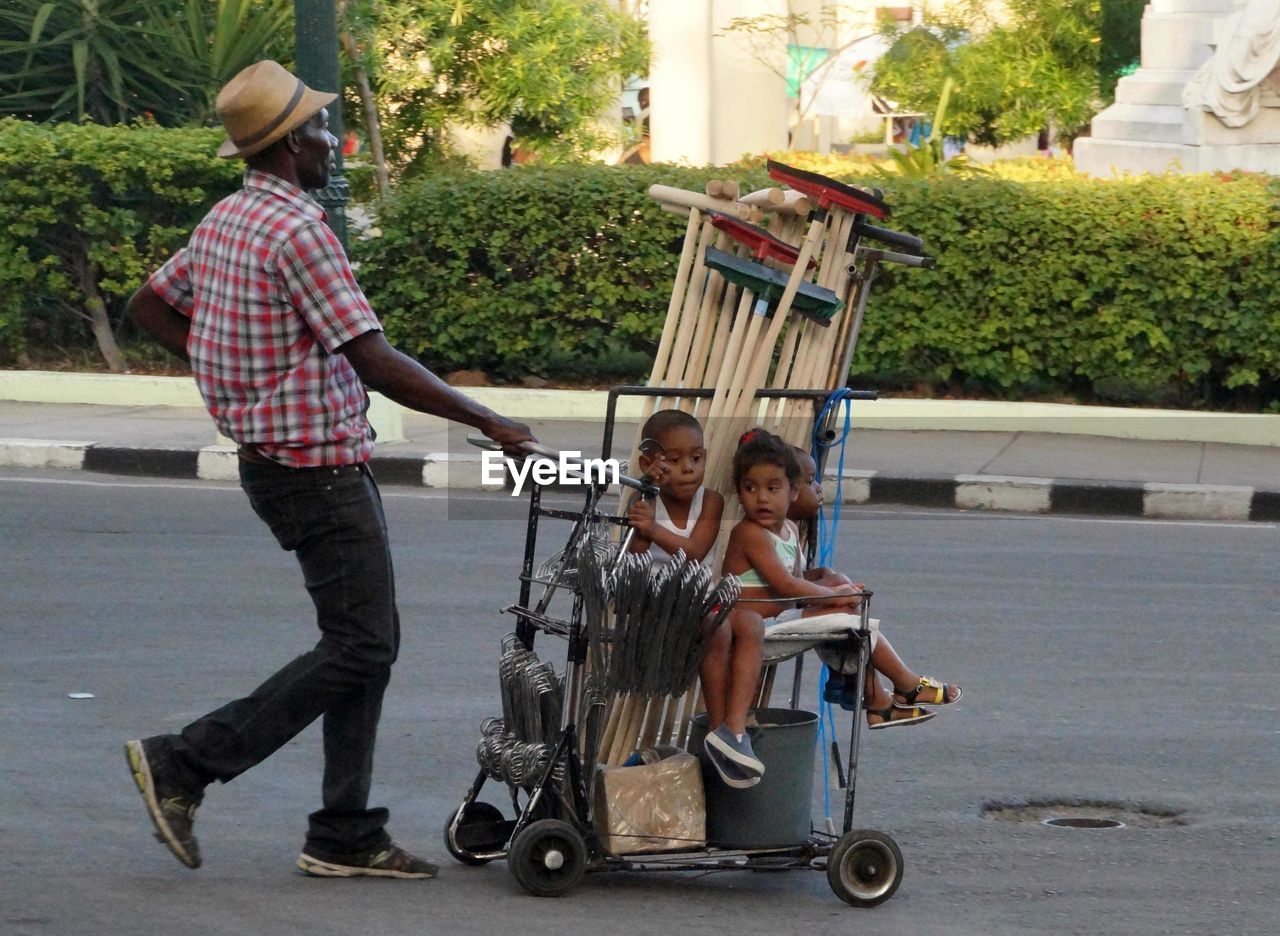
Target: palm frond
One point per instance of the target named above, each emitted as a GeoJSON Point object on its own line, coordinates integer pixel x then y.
{"type": "Point", "coordinates": [117, 59]}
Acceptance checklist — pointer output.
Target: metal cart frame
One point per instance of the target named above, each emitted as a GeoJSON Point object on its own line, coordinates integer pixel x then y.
{"type": "Point", "coordinates": [548, 856]}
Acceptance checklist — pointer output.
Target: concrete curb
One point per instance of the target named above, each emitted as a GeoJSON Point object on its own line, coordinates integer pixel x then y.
{"type": "Point", "coordinates": [450, 471]}
{"type": "Point", "coordinates": [533, 404]}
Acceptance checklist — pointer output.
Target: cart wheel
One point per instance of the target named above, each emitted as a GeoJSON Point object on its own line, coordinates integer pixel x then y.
{"type": "Point", "coordinates": [865, 868]}
{"type": "Point", "coordinates": [476, 812]}
{"type": "Point", "coordinates": [548, 858]}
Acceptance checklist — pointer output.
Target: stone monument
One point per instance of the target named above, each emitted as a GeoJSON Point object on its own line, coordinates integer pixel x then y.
{"type": "Point", "coordinates": [1206, 99]}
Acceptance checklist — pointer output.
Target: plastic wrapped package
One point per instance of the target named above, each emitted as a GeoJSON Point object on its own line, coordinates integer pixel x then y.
{"type": "Point", "coordinates": [651, 807]}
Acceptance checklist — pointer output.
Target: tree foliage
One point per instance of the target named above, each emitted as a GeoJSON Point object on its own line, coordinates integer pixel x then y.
{"type": "Point", "coordinates": [929, 159]}
{"type": "Point", "coordinates": [546, 67]}
{"type": "Point", "coordinates": [1036, 66]}
{"type": "Point", "coordinates": [111, 61]}
{"type": "Point", "coordinates": [772, 39]}
{"type": "Point", "coordinates": [1121, 45]}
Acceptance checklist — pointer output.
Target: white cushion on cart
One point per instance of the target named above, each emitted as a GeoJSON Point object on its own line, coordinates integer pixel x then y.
{"type": "Point", "coordinates": [790, 634]}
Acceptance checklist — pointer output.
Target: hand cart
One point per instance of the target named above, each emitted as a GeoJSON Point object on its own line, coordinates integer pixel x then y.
{"type": "Point", "coordinates": [543, 750]}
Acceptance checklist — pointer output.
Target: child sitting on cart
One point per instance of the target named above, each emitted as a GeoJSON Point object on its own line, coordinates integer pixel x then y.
{"type": "Point", "coordinates": [764, 551]}
{"type": "Point", "coordinates": [910, 689]}
{"type": "Point", "coordinates": [686, 515]}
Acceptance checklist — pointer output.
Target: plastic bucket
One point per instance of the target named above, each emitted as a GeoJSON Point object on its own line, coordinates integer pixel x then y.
{"type": "Point", "coordinates": [777, 811]}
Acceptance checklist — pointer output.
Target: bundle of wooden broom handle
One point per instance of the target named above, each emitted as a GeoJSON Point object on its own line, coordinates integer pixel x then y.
{"type": "Point", "coordinates": [717, 335]}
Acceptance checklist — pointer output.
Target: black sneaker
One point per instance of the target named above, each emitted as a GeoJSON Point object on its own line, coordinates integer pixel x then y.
{"type": "Point", "coordinates": [391, 861]}
{"type": "Point", "coordinates": [173, 810]}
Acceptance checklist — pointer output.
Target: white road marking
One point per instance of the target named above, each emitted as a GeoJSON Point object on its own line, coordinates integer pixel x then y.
{"type": "Point", "coordinates": [861, 510]}
{"type": "Point", "coordinates": [206, 486]}
{"type": "Point", "coordinates": [1063, 518]}
{"type": "Point", "coordinates": [220, 487]}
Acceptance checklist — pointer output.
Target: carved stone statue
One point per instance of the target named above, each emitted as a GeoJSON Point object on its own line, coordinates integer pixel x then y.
{"type": "Point", "coordinates": [1241, 76]}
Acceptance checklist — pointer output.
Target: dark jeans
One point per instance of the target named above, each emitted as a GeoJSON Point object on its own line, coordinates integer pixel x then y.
{"type": "Point", "coordinates": [332, 519]}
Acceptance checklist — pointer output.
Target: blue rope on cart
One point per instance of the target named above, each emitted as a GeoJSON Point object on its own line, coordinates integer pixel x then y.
{"type": "Point", "coordinates": [824, 712]}
{"type": "Point", "coordinates": [827, 531]}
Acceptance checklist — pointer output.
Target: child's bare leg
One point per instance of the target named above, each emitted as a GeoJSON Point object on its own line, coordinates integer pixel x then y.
{"type": "Point", "coordinates": [875, 692]}
{"type": "Point", "coordinates": [886, 660]}
{"type": "Point", "coordinates": [731, 675]}
{"type": "Point", "coordinates": [879, 704]}
{"type": "Point", "coordinates": [747, 655]}
{"type": "Point", "coordinates": [714, 673]}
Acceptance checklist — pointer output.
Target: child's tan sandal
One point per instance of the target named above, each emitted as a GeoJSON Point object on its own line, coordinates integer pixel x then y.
{"type": "Point", "coordinates": [928, 691]}
{"type": "Point", "coordinates": [896, 717]}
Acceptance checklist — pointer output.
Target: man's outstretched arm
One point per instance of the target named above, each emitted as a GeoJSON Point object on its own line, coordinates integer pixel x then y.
{"type": "Point", "coordinates": [165, 323]}
{"type": "Point", "coordinates": [400, 377]}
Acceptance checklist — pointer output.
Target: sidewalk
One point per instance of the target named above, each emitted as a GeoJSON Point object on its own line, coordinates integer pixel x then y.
{"type": "Point", "coordinates": [1011, 469]}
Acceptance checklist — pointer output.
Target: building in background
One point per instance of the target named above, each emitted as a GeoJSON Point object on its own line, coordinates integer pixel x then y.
{"type": "Point", "coordinates": [718, 93]}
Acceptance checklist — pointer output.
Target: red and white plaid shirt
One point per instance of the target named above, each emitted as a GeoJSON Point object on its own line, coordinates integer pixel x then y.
{"type": "Point", "coordinates": [271, 297]}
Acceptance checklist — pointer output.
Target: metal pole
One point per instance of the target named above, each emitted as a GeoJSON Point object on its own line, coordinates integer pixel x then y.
{"type": "Point", "coordinates": [316, 50]}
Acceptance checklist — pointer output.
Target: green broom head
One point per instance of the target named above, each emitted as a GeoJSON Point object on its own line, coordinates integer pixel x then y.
{"type": "Point", "coordinates": [812, 301]}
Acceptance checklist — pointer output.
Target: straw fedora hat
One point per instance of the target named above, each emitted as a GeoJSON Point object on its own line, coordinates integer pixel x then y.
{"type": "Point", "coordinates": [263, 103]}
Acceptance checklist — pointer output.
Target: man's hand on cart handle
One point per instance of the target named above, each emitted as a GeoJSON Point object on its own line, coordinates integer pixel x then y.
{"type": "Point", "coordinates": [524, 448]}
{"type": "Point", "coordinates": [513, 436]}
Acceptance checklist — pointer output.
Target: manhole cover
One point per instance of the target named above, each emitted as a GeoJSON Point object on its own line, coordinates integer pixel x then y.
{"type": "Point", "coordinates": [1079, 822]}
{"type": "Point", "coordinates": [1084, 814]}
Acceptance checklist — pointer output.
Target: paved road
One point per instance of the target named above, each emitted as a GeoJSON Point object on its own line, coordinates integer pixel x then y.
{"type": "Point", "coordinates": [1122, 661]}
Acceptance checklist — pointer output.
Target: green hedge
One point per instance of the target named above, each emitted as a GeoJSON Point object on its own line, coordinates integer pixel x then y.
{"type": "Point", "coordinates": [86, 212]}
{"type": "Point", "coordinates": [1158, 289]}
{"type": "Point", "coordinates": [553, 272]}
{"type": "Point", "coordinates": [1151, 290]}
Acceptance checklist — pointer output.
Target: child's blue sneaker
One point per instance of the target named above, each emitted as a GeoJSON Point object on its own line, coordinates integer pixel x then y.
{"type": "Point", "coordinates": [733, 758]}
{"type": "Point", "coordinates": [840, 690]}
{"type": "Point", "coordinates": [731, 775]}
{"type": "Point", "coordinates": [833, 691]}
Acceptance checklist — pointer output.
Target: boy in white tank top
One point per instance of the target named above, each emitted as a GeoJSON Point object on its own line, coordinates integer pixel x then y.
{"type": "Point", "coordinates": [684, 515]}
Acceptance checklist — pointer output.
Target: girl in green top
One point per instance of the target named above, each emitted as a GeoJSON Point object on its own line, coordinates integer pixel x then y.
{"type": "Point", "coordinates": [764, 551]}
